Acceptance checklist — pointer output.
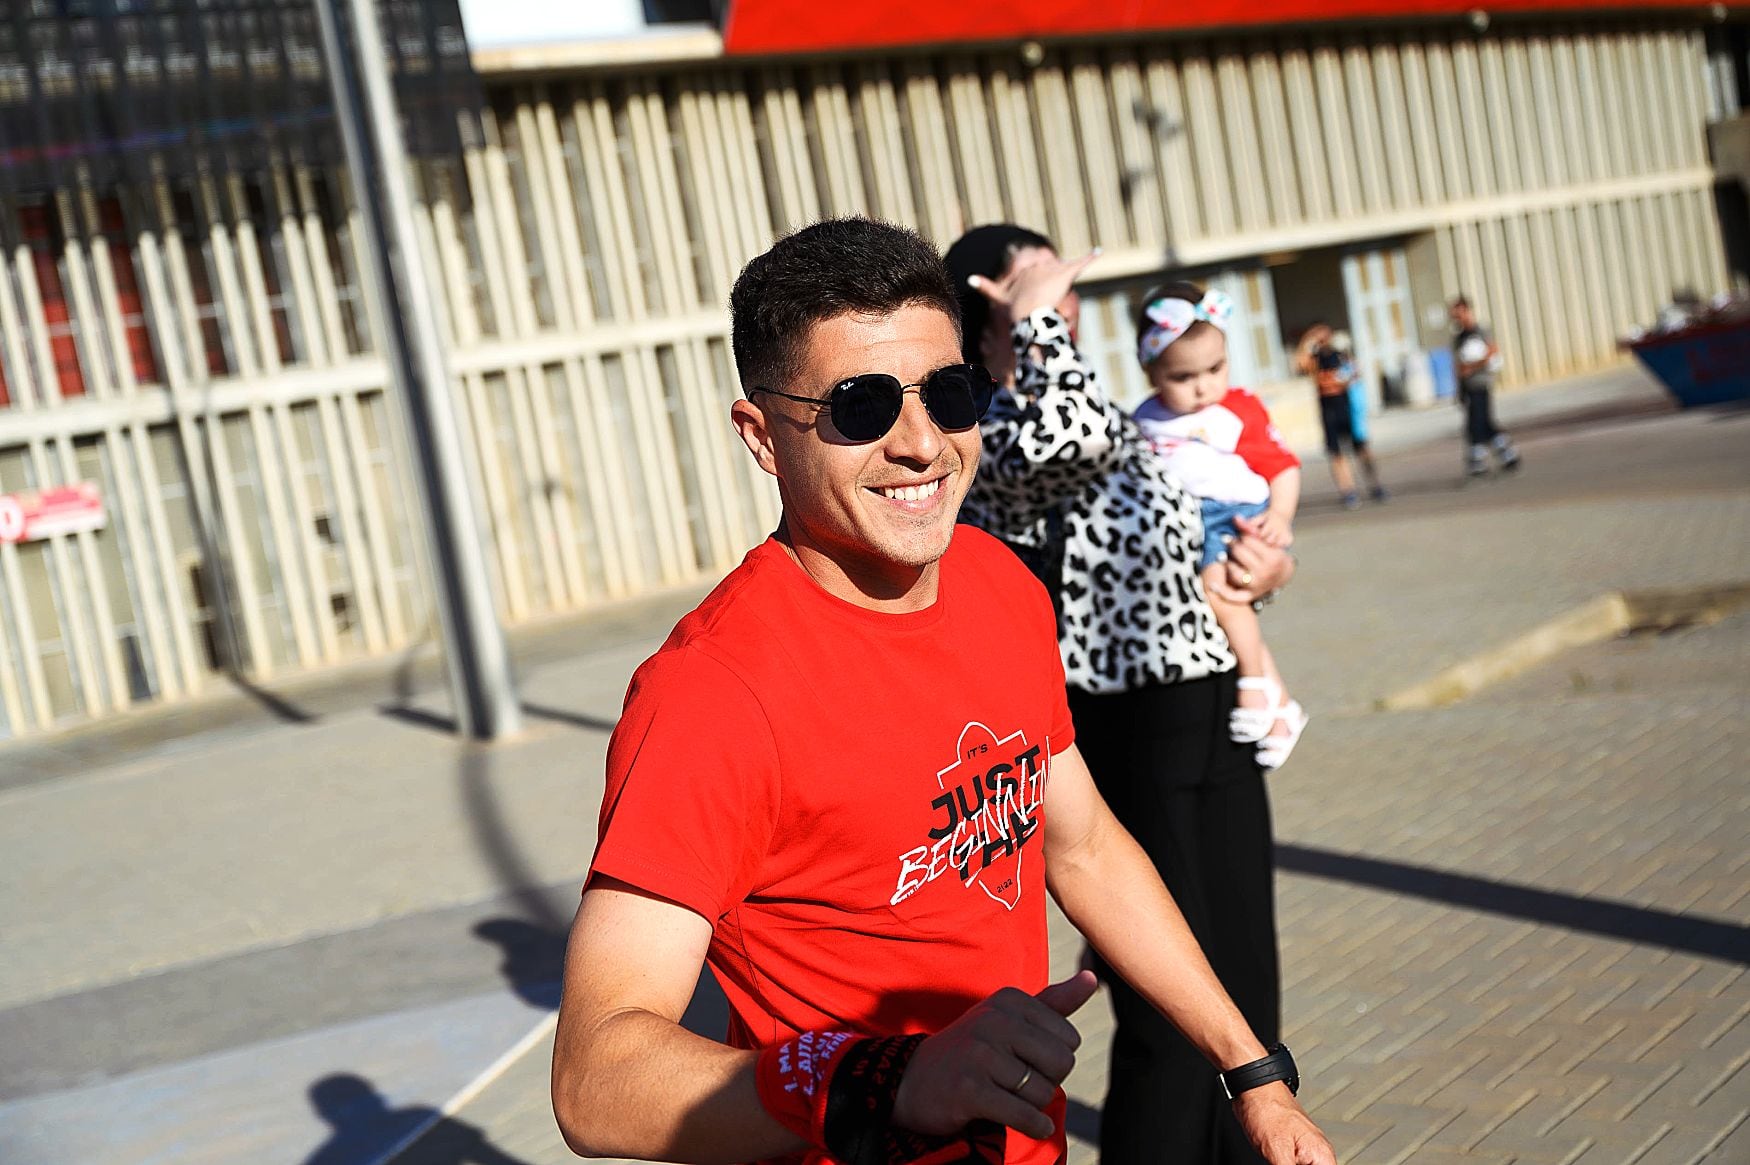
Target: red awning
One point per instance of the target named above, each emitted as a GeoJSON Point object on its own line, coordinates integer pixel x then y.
{"type": "Point", "coordinates": [805, 26]}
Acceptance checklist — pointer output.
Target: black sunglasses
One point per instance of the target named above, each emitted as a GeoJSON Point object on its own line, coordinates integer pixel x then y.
{"type": "Point", "coordinates": [865, 407]}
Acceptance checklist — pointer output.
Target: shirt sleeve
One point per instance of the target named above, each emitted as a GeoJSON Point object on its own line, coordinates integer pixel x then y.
{"type": "Point", "coordinates": [1043, 451]}
{"type": "Point", "coordinates": [1260, 444]}
{"type": "Point", "coordinates": [693, 786]}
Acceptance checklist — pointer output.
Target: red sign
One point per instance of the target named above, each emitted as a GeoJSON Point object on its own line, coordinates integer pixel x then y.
{"type": "Point", "coordinates": [61, 509]}
{"type": "Point", "coordinates": [804, 26]}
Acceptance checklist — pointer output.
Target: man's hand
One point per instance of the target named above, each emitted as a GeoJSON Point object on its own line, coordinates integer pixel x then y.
{"type": "Point", "coordinates": [970, 1069]}
{"type": "Point", "coordinates": [1280, 1128]}
{"type": "Point", "coordinates": [1254, 567]}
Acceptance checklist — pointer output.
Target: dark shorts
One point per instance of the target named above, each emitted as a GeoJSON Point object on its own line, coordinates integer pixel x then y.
{"type": "Point", "coordinates": [1339, 422]}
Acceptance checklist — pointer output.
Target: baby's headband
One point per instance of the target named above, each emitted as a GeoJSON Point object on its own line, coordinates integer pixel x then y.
{"type": "Point", "coordinates": [1170, 317]}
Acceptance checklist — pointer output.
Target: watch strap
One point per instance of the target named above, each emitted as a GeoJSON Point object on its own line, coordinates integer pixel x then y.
{"type": "Point", "coordinates": [1278, 1065]}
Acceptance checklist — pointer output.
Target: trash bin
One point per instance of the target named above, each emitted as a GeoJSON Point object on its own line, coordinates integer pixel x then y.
{"type": "Point", "coordinates": [1418, 386]}
{"type": "Point", "coordinates": [1705, 364]}
{"type": "Point", "coordinates": [1444, 372]}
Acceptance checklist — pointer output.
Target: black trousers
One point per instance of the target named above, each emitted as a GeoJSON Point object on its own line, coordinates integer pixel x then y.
{"type": "Point", "coordinates": [1196, 802]}
{"type": "Point", "coordinates": [1479, 415]}
{"type": "Point", "coordinates": [1338, 423]}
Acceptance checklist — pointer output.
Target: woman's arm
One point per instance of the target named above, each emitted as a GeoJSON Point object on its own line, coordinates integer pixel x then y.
{"type": "Point", "coordinates": [1058, 432]}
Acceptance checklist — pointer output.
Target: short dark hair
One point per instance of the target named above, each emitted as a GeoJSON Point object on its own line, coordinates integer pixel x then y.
{"type": "Point", "coordinates": [1459, 301]}
{"type": "Point", "coordinates": [1178, 289]}
{"type": "Point", "coordinates": [832, 268]}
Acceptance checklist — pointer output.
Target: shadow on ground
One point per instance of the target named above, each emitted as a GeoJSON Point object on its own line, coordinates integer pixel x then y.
{"type": "Point", "coordinates": [1636, 924]}
{"type": "Point", "coordinates": [1082, 1121]}
{"type": "Point", "coordinates": [533, 958]}
{"type": "Point", "coordinates": [534, 961]}
{"type": "Point", "coordinates": [438, 722]}
{"type": "Point", "coordinates": [367, 1130]}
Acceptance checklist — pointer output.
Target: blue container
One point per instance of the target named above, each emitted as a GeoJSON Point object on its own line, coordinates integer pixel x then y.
{"type": "Point", "coordinates": [1701, 366]}
{"type": "Point", "coordinates": [1445, 373]}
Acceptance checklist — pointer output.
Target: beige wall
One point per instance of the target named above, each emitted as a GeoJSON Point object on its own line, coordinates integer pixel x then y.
{"type": "Point", "coordinates": [258, 512]}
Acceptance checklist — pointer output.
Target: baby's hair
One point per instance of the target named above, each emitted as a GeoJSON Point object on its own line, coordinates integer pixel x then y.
{"type": "Point", "coordinates": [1178, 289]}
{"type": "Point", "coordinates": [1461, 301]}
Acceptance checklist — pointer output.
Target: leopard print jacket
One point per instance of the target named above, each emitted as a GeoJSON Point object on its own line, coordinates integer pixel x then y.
{"type": "Point", "coordinates": [1132, 608]}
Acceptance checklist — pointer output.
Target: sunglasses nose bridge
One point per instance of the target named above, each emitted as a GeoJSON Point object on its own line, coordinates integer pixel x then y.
{"type": "Point", "coordinates": [915, 431]}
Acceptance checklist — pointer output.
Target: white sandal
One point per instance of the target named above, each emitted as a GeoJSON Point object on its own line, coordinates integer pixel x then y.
{"type": "Point", "coordinates": [1273, 750]}
{"type": "Point", "coordinates": [1250, 725]}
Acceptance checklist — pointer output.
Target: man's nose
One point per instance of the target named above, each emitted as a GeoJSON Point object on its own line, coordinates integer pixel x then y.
{"type": "Point", "coordinates": [914, 436]}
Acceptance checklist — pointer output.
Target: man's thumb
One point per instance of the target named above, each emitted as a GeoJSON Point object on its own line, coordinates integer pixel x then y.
{"type": "Point", "coordinates": [1067, 997]}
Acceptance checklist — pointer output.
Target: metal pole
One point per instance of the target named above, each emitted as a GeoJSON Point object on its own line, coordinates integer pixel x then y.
{"type": "Point", "coordinates": [474, 646]}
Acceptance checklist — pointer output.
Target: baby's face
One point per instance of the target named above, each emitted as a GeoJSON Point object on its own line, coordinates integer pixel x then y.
{"type": "Point", "coordinates": [1192, 373]}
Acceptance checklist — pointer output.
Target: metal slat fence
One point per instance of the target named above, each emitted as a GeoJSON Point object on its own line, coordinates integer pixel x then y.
{"type": "Point", "coordinates": [201, 350]}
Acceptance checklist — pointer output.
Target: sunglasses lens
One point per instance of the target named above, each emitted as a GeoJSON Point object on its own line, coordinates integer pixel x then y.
{"type": "Point", "coordinates": [864, 407]}
{"type": "Point", "coordinates": [957, 397]}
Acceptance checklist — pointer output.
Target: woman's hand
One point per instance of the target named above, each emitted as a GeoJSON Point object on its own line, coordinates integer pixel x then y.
{"type": "Point", "coordinates": [1043, 282]}
{"type": "Point", "coordinates": [1254, 567]}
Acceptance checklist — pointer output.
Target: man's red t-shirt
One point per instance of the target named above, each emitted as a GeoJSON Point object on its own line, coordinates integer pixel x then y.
{"type": "Point", "coordinates": [851, 798]}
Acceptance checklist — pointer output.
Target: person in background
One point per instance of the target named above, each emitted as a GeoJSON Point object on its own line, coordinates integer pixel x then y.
{"type": "Point", "coordinates": [1358, 409]}
{"type": "Point", "coordinates": [1150, 674]}
{"type": "Point", "coordinates": [1477, 361]}
{"type": "Point", "coordinates": [1317, 357]}
{"type": "Point", "coordinates": [1220, 443]}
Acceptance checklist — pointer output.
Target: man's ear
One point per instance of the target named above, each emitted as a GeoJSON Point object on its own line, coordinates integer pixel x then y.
{"type": "Point", "coordinates": [750, 424]}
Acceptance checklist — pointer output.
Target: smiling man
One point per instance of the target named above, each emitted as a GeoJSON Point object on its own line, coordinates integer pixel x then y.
{"type": "Point", "coordinates": [847, 781]}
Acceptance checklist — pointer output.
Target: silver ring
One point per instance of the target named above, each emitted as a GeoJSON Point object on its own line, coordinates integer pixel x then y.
{"type": "Point", "coordinates": [1025, 1076]}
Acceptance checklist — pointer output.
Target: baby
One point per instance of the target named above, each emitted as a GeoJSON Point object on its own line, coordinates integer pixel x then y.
{"type": "Point", "coordinates": [1222, 447]}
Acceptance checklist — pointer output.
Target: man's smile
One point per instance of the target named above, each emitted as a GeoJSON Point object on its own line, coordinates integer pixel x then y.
{"type": "Point", "coordinates": [914, 496]}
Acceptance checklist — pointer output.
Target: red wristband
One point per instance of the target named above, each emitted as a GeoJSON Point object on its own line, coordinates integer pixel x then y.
{"type": "Point", "coordinates": [836, 1091]}
{"type": "Point", "coordinates": [793, 1076]}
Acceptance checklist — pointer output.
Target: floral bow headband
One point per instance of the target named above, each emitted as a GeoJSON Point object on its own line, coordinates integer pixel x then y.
{"type": "Point", "coordinates": [1171, 317]}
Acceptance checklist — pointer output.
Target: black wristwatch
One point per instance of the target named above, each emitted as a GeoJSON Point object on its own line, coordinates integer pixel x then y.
{"type": "Point", "coordinates": [1278, 1065]}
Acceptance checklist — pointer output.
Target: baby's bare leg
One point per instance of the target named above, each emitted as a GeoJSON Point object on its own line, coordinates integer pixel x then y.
{"type": "Point", "coordinates": [1240, 623]}
{"type": "Point", "coordinates": [1246, 635]}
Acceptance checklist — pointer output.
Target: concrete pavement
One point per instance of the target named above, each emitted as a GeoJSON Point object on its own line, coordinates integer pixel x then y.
{"type": "Point", "coordinates": [212, 921]}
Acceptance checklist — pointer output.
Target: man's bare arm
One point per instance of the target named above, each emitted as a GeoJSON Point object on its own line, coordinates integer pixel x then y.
{"type": "Point", "coordinates": [628, 1080]}
{"type": "Point", "coordinates": [1109, 890]}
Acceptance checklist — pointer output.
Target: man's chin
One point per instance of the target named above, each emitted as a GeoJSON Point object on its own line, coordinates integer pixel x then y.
{"type": "Point", "coordinates": [927, 546]}
{"type": "Point", "coordinates": [911, 548]}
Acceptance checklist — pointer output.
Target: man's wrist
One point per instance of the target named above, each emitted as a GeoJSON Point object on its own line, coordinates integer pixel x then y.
{"type": "Point", "coordinates": [1276, 1066]}
{"type": "Point", "coordinates": [1242, 1049]}
{"type": "Point", "coordinates": [837, 1091]}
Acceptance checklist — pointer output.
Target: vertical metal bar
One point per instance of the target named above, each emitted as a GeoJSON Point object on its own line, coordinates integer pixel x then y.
{"type": "Point", "coordinates": [474, 646]}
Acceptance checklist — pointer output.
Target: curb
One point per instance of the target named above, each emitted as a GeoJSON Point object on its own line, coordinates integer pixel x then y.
{"type": "Point", "coordinates": [1609, 616]}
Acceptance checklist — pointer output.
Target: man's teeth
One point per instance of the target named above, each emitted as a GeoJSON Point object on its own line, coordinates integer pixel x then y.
{"type": "Point", "coordinates": [911, 493]}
